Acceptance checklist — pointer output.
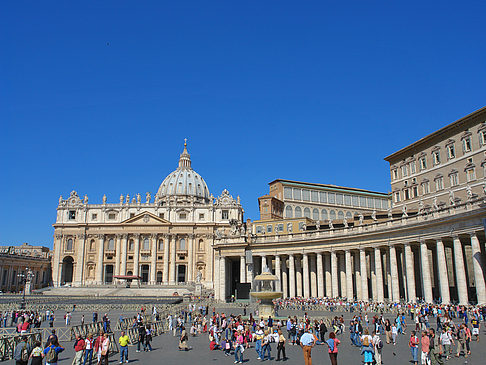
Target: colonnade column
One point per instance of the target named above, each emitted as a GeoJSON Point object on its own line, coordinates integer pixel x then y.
{"type": "Point", "coordinates": [305, 272]}
{"type": "Point", "coordinates": [342, 275]}
{"type": "Point", "coordinates": [242, 269]}
{"type": "Point", "coordinates": [409, 267]}
{"type": "Point", "coordinates": [292, 275]}
{"type": "Point", "coordinates": [216, 278]}
{"type": "Point", "coordinates": [153, 259]}
{"type": "Point", "coordinates": [136, 255]}
{"type": "Point", "coordinates": [395, 288]}
{"type": "Point", "coordinates": [349, 275]}
{"type": "Point", "coordinates": [478, 269]}
{"type": "Point", "coordinates": [278, 273]}
{"type": "Point", "coordinates": [222, 278]}
{"type": "Point", "coordinates": [313, 276]}
{"type": "Point", "coordinates": [443, 275]}
{"type": "Point", "coordinates": [320, 276]}
{"type": "Point", "coordinates": [123, 267]}
{"type": "Point", "coordinates": [327, 261]}
{"type": "Point", "coordinates": [118, 254]}
{"type": "Point", "coordinates": [298, 276]}
{"type": "Point", "coordinates": [190, 259]}
{"type": "Point", "coordinates": [334, 274]}
{"type": "Point", "coordinates": [427, 284]}
{"type": "Point", "coordinates": [264, 263]}
{"type": "Point", "coordinates": [101, 255]}
{"type": "Point", "coordinates": [165, 275]}
{"type": "Point", "coordinates": [172, 264]}
{"type": "Point", "coordinates": [56, 274]}
{"type": "Point", "coordinates": [357, 274]}
{"type": "Point", "coordinates": [364, 275]}
{"type": "Point", "coordinates": [285, 287]}
{"type": "Point", "coordinates": [460, 272]}
{"type": "Point", "coordinates": [379, 275]}
{"type": "Point", "coordinates": [80, 259]}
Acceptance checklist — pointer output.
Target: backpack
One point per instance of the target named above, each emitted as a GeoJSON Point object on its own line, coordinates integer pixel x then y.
{"type": "Point", "coordinates": [379, 345]}
{"type": "Point", "coordinates": [366, 341]}
{"type": "Point", "coordinates": [51, 355]}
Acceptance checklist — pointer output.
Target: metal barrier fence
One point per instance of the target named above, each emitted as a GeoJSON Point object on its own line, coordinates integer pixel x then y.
{"type": "Point", "coordinates": [8, 344]}
{"type": "Point", "coordinates": [158, 328]}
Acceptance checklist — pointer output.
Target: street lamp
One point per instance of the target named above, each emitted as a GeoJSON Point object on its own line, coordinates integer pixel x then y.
{"type": "Point", "coordinates": [24, 279]}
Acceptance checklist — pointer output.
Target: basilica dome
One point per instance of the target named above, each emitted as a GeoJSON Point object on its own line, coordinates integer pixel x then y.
{"type": "Point", "coordinates": [184, 181]}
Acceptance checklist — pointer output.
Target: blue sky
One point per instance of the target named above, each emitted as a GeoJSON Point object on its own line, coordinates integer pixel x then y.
{"type": "Point", "coordinates": [98, 96]}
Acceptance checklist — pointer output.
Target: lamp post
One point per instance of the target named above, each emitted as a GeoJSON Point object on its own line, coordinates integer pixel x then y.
{"type": "Point", "coordinates": [24, 279]}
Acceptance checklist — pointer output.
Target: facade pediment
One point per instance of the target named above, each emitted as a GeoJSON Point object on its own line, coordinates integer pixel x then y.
{"type": "Point", "coordinates": [145, 218]}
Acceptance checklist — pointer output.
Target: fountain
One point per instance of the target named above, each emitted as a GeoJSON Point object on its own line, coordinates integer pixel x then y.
{"type": "Point", "coordinates": [264, 290]}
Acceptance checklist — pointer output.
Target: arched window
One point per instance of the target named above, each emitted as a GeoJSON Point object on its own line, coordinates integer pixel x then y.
{"type": "Point", "coordinates": [315, 214]}
{"type": "Point", "coordinates": [340, 215]}
{"type": "Point", "coordinates": [349, 215]}
{"type": "Point", "coordinates": [324, 216]}
{"type": "Point", "coordinates": [130, 245]}
{"type": "Point", "coordinates": [332, 214]}
{"type": "Point", "coordinates": [288, 211]}
{"type": "Point", "coordinates": [111, 244]}
{"type": "Point", "coordinates": [307, 212]}
{"type": "Point", "coordinates": [200, 246]}
{"type": "Point", "coordinates": [161, 245]}
{"type": "Point", "coordinates": [146, 244]}
{"type": "Point", "coordinates": [182, 244]}
{"type": "Point", "coordinates": [69, 244]}
{"type": "Point", "coordinates": [298, 212]}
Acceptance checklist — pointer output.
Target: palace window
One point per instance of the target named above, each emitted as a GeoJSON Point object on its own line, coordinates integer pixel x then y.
{"type": "Point", "coordinates": [404, 170]}
{"type": "Point", "coordinates": [482, 137]}
{"type": "Point", "coordinates": [323, 197]}
{"type": "Point", "coordinates": [355, 201]}
{"type": "Point", "coordinates": [331, 198]}
{"type": "Point", "coordinates": [305, 195]}
{"type": "Point", "coordinates": [94, 216]}
{"type": "Point", "coordinates": [324, 214]}
{"type": "Point", "coordinates": [182, 244]}
{"type": "Point", "coordinates": [315, 214]}
{"type": "Point", "coordinates": [307, 212]}
{"type": "Point", "coordinates": [454, 179]}
{"type": "Point", "coordinates": [406, 194]}
{"type": "Point", "coordinates": [72, 214]}
{"type": "Point", "coordinates": [412, 167]}
{"type": "Point", "coordinates": [466, 144]}
{"type": "Point", "coordinates": [362, 201]}
{"type": "Point", "coordinates": [470, 174]}
{"type": "Point", "coordinates": [439, 183]}
{"type": "Point", "coordinates": [279, 227]}
{"type": "Point", "coordinates": [269, 228]}
{"type": "Point", "coordinates": [69, 244]}
{"type": "Point", "coordinates": [395, 174]}
{"type": "Point", "coordinates": [161, 245]}
{"type": "Point", "coordinates": [332, 214]}
{"type": "Point", "coordinates": [436, 157]}
{"type": "Point", "coordinates": [339, 199]}
{"type": "Point", "coordinates": [182, 216]}
{"type": "Point", "coordinates": [396, 195]}
{"type": "Point", "coordinates": [314, 196]}
{"type": "Point", "coordinates": [297, 194]}
{"type": "Point", "coordinates": [225, 214]}
{"type": "Point", "coordinates": [259, 229]}
{"type": "Point", "coordinates": [425, 187]}
{"type": "Point", "coordinates": [423, 163]}
{"type": "Point", "coordinates": [415, 191]}
{"type": "Point", "coordinates": [349, 215]}
{"type": "Point", "coordinates": [288, 211]}
{"type": "Point", "coordinates": [298, 212]}
{"type": "Point", "coordinates": [111, 244]}
{"type": "Point", "coordinates": [451, 153]}
{"type": "Point", "coordinates": [146, 244]}
{"type": "Point", "coordinates": [340, 215]}
{"type": "Point", "coordinates": [111, 216]}
{"type": "Point", "coordinates": [287, 193]}
{"type": "Point", "coordinates": [347, 200]}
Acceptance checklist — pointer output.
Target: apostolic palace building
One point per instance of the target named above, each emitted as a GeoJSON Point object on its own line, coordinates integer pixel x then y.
{"type": "Point", "coordinates": [425, 239]}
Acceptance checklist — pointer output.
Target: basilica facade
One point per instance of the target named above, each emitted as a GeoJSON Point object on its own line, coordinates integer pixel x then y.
{"type": "Point", "coordinates": [164, 240]}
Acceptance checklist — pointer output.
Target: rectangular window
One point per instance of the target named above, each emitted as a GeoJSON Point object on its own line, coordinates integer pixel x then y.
{"type": "Point", "coordinates": [451, 153]}
{"type": "Point", "coordinates": [471, 175]}
{"type": "Point", "coordinates": [111, 216]}
{"type": "Point", "coordinates": [339, 199]}
{"type": "Point", "coordinates": [132, 215]}
{"type": "Point", "coordinates": [370, 203]}
{"type": "Point", "coordinates": [269, 229]}
{"type": "Point", "coordinates": [306, 195]}
{"type": "Point", "coordinates": [404, 170]}
{"type": "Point", "coordinates": [331, 198]}
{"type": "Point", "coordinates": [225, 214]}
{"type": "Point", "coordinates": [415, 191]}
{"type": "Point", "coordinates": [161, 215]}
{"type": "Point", "coordinates": [425, 188]}
{"type": "Point", "coordinates": [72, 214]}
{"type": "Point", "coordinates": [258, 229]}
{"type": "Point", "coordinates": [183, 216]}
{"type": "Point", "coordinates": [347, 200]}
{"type": "Point", "coordinates": [397, 196]}
{"type": "Point", "coordinates": [436, 156]}
{"type": "Point", "coordinates": [395, 174]}
{"type": "Point", "coordinates": [315, 196]}
{"type": "Point", "coordinates": [201, 216]}
{"type": "Point", "coordinates": [280, 227]}
{"type": "Point", "coordinates": [454, 179]}
{"type": "Point", "coordinates": [94, 216]}
{"type": "Point", "coordinates": [355, 201]}
{"type": "Point", "coordinates": [323, 197]}
{"type": "Point", "coordinates": [362, 201]}
{"type": "Point", "coordinates": [466, 144]}
{"type": "Point", "coordinates": [412, 167]}
{"type": "Point", "coordinates": [301, 226]}
{"type": "Point", "coordinates": [439, 184]}
{"type": "Point", "coordinates": [482, 138]}
{"type": "Point", "coordinates": [406, 194]}
{"type": "Point", "coordinates": [287, 193]}
{"type": "Point", "coordinates": [423, 163]}
{"type": "Point", "coordinates": [384, 204]}
{"type": "Point", "coordinates": [297, 194]}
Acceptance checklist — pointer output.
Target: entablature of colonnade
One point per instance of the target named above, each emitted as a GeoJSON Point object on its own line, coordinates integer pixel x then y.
{"type": "Point", "coordinates": [410, 229]}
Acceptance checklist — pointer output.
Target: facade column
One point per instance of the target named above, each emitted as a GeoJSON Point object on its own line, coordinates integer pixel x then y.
{"type": "Point", "coordinates": [305, 274]}
{"type": "Point", "coordinates": [80, 259]}
{"type": "Point", "coordinates": [242, 269]}
{"type": "Point", "coordinates": [278, 273]}
{"type": "Point", "coordinates": [292, 276]}
{"type": "Point", "coordinates": [264, 263]}
{"type": "Point", "coordinates": [216, 277]}
{"type": "Point", "coordinates": [123, 268]}
{"type": "Point", "coordinates": [285, 283]}
{"type": "Point", "coordinates": [136, 255]}
{"type": "Point", "coordinates": [409, 267]}
{"type": "Point", "coordinates": [190, 259]}
{"type": "Point", "coordinates": [327, 261]}
{"type": "Point", "coordinates": [165, 274]}
{"type": "Point", "coordinates": [320, 276]}
{"type": "Point", "coordinates": [427, 283]}
{"type": "Point", "coordinates": [313, 276]}
{"type": "Point", "coordinates": [56, 274]}
{"type": "Point", "coordinates": [117, 255]}
{"type": "Point", "coordinates": [342, 275]}
{"type": "Point", "coordinates": [349, 275]}
{"type": "Point", "coordinates": [172, 265]}
{"type": "Point", "coordinates": [153, 259]}
{"type": "Point", "coordinates": [357, 275]}
{"type": "Point", "coordinates": [443, 275]}
{"type": "Point", "coordinates": [460, 272]}
{"type": "Point", "coordinates": [334, 274]}
{"type": "Point", "coordinates": [395, 286]}
{"type": "Point", "coordinates": [222, 278]}
{"type": "Point", "coordinates": [364, 275]}
{"type": "Point", "coordinates": [99, 264]}
{"type": "Point", "coordinates": [373, 295]}
{"type": "Point", "coordinates": [298, 276]}
{"type": "Point", "coordinates": [478, 269]}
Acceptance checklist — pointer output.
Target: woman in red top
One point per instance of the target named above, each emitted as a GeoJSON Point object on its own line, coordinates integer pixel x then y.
{"type": "Point", "coordinates": [333, 344]}
{"type": "Point", "coordinates": [413, 344]}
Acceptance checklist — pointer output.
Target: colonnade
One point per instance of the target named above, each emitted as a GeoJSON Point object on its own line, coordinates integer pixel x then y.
{"type": "Point", "coordinates": [430, 269]}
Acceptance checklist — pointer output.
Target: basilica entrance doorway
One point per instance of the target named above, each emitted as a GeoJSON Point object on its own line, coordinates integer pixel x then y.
{"type": "Point", "coordinates": [109, 274]}
{"type": "Point", "coordinates": [67, 269]}
{"type": "Point", "coordinates": [145, 273]}
{"type": "Point", "coordinates": [181, 273]}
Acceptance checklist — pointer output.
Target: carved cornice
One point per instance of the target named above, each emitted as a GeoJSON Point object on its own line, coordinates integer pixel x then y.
{"type": "Point", "coordinates": [58, 236]}
{"type": "Point", "coordinates": [81, 236]}
{"type": "Point", "coordinates": [100, 236]}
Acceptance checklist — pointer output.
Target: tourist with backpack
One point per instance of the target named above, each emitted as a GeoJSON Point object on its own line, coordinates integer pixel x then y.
{"type": "Point", "coordinates": [367, 348]}
{"type": "Point", "coordinates": [37, 354]}
{"type": "Point", "coordinates": [51, 352]}
{"type": "Point", "coordinates": [22, 352]}
{"type": "Point", "coordinates": [378, 345]}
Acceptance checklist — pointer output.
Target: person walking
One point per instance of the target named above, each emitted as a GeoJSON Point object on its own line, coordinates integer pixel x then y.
{"type": "Point", "coordinates": [307, 342]}
{"type": "Point", "coordinates": [333, 344]}
{"type": "Point", "coordinates": [435, 348]}
{"type": "Point", "coordinates": [447, 342]}
{"type": "Point", "coordinates": [51, 352]}
{"type": "Point", "coordinates": [239, 349]}
{"type": "Point", "coordinates": [79, 346]}
{"type": "Point", "coordinates": [258, 342]}
{"type": "Point", "coordinates": [88, 349]}
{"type": "Point", "coordinates": [425, 342]}
{"type": "Point", "coordinates": [281, 346]}
{"type": "Point", "coordinates": [367, 348]}
{"type": "Point", "coordinates": [461, 341]}
{"type": "Point", "coordinates": [124, 340]}
{"type": "Point", "coordinates": [22, 352]}
{"type": "Point", "coordinates": [183, 340]}
{"type": "Point", "coordinates": [378, 345]}
{"type": "Point", "coordinates": [148, 339]}
{"type": "Point", "coordinates": [266, 348]}
{"type": "Point", "coordinates": [413, 344]}
{"type": "Point", "coordinates": [37, 355]}
{"type": "Point", "coordinates": [101, 347]}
